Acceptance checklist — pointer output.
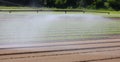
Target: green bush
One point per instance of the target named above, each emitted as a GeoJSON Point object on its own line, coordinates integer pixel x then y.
{"type": "Point", "coordinates": [115, 4]}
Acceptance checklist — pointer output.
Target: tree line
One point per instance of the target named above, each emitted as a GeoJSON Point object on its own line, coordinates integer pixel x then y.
{"type": "Point", "coordinates": [92, 4]}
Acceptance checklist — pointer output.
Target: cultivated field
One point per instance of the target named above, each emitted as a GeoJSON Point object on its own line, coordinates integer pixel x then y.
{"type": "Point", "coordinates": [59, 38]}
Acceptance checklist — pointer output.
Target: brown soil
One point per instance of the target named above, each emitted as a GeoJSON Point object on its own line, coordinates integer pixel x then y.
{"type": "Point", "coordinates": [104, 50]}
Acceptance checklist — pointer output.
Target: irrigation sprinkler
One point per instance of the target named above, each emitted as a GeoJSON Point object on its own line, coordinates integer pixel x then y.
{"type": "Point", "coordinates": [65, 11]}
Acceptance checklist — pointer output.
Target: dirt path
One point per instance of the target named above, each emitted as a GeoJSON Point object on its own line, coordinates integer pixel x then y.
{"type": "Point", "coordinates": [104, 50]}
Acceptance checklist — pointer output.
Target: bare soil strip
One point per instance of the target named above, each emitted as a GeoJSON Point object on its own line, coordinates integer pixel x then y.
{"type": "Point", "coordinates": [99, 59]}
{"type": "Point", "coordinates": [73, 51]}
